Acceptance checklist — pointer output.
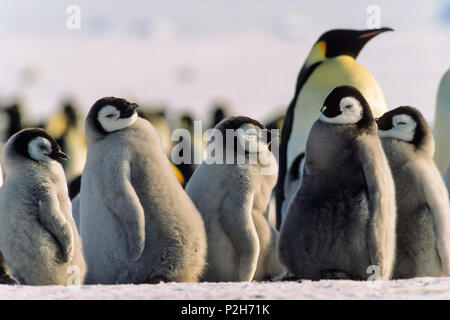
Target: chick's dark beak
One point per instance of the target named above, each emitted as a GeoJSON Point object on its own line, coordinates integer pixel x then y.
{"type": "Point", "coordinates": [384, 123]}
{"type": "Point", "coordinates": [59, 155]}
{"type": "Point", "coordinates": [129, 110]}
{"type": "Point", "coordinates": [133, 106]}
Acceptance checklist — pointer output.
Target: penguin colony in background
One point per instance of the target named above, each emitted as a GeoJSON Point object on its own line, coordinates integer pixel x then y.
{"type": "Point", "coordinates": [357, 190]}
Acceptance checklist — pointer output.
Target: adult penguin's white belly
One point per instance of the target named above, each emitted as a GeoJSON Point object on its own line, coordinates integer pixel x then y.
{"type": "Point", "coordinates": [342, 70]}
{"type": "Point", "coordinates": [442, 124]}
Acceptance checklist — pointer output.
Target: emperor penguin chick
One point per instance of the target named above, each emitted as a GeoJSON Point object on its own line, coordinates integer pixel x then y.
{"type": "Point", "coordinates": [232, 197]}
{"type": "Point", "coordinates": [341, 221]}
{"type": "Point", "coordinates": [38, 237]}
{"type": "Point", "coordinates": [138, 225]}
{"type": "Point", "coordinates": [5, 275]}
{"type": "Point", "coordinates": [423, 212]}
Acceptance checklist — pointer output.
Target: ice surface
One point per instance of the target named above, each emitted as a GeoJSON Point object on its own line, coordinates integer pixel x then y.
{"type": "Point", "coordinates": [418, 288]}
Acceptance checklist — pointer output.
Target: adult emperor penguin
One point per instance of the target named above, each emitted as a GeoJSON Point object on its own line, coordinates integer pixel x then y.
{"type": "Point", "coordinates": [76, 211]}
{"type": "Point", "coordinates": [330, 63]}
{"type": "Point", "coordinates": [292, 182]}
{"type": "Point", "coordinates": [342, 219]}
{"type": "Point", "coordinates": [38, 237]}
{"type": "Point", "coordinates": [232, 198]}
{"type": "Point", "coordinates": [66, 127]}
{"type": "Point", "coordinates": [447, 178]}
{"type": "Point", "coordinates": [423, 211]}
{"type": "Point", "coordinates": [441, 127]}
{"type": "Point", "coordinates": [138, 225]}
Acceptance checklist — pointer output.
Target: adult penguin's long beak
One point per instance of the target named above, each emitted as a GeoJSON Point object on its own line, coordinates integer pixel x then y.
{"type": "Point", "coordinates": [373, 32]}
{"type": "Point", "coordinates": [348, 42]}
{"type": "Point", "coordinates": [364, 36]}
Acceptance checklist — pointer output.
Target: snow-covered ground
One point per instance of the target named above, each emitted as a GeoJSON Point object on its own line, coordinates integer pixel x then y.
{"type": "Point", "coordinates": [418, 288]}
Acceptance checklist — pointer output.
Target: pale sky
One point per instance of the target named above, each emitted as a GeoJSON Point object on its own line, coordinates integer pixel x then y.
{"type": "Point", "coordinates": [187, 54]}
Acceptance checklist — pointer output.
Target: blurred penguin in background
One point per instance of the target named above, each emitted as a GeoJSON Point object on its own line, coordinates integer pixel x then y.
{"type": "Point", "coordinates": [14, 113]}
{"type": "Point", "coordinates": [442, 124]}
{"type": "Point", "coordinates": [67, 129]}
{"type": "Point", "coordinates": [187, 168]}
{"type": "Point", "coordinates": [330, 63]}
{"type": "Point", "coordinates": [10, 120]}
{"type": "Point", "coordinates": [276, 122]}
{"type": "Point", "coordinates": [158, 119]}
{"type": "Point", "coordinates": [219, 112]}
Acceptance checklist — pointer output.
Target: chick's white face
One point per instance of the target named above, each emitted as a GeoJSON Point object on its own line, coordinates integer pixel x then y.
{"type": "Point", "coordinates": [251, 139]}
{"type": "Point", "coordinates": [40, 149]}
{"type": "Point", "coordinates": [351, 111]}
{"type": "Point", "coordinates": [403, 128]}
{"type": "Point", "coordinates": [110, 120]}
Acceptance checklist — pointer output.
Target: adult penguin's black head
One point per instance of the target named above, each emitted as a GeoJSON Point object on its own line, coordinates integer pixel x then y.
{"type": "Point", "coordinates": [339, 42]}
{"type": "Point", "coordinates": [346, 105]}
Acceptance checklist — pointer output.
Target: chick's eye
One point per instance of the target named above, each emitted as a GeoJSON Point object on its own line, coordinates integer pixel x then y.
{"type": "Point", "coordinates": [110, 116]}
{"type": "Point", "coordinates": [402, 123]}
{"type": "Point", "coordinates": [348, 106]}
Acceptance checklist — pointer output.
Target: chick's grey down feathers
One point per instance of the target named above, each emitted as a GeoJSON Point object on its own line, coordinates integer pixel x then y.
{"type": "Point", "coordinates": [423, 213]}
{"type": "Point", "coordinates": [233, 200]}
{"type": "Point", "coordinates": [137, 223]}
{"type": "Point", "coordinates": [38, 237]}
{"type": "Point", "coordinates": [342, 219]}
